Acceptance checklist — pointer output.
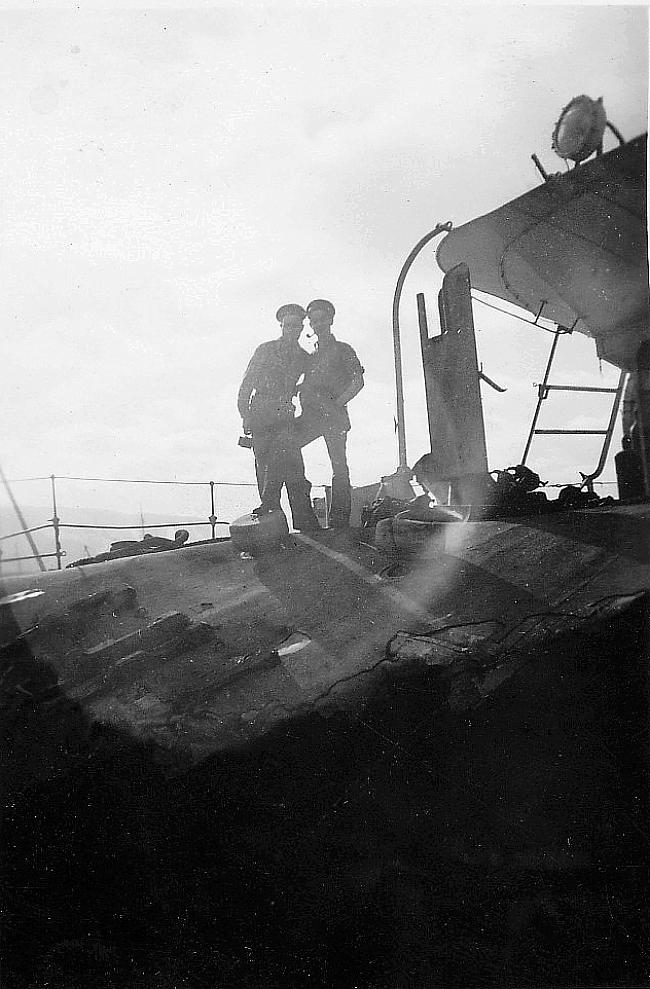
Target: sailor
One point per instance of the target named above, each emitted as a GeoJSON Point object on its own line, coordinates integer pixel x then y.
{"type": "Point", "coordinates": [265, 403]}
{"type": "Point", "coordinates": [333, 376]}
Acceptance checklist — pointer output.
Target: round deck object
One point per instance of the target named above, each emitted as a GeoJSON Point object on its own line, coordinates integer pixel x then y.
{"type": "Point", "coordinates": [383, 537]}
{"type": "Point", "coordinates": [415, 529]}
{"type": "Point", "coordinates": [420, 531]}
{"type": "Point", "coordinates": [434, 513]}
{"type": "Point", "coordinates": [259, 534]}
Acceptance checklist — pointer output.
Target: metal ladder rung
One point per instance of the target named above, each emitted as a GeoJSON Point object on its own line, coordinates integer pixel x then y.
{"type": "Point", "coordinates": [604, 391]}
{"type": "Point", "coordinates": [572, 432]}
{"type": "Point", "coordinates": [543, 391]}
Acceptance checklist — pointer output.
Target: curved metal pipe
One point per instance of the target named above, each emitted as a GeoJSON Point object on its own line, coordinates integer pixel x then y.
{"type": "Point", "coordinates": [397, 346]}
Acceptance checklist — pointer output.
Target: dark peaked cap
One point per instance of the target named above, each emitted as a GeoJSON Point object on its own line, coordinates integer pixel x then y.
{"type": "Point", "coordinates": [321, 304]}
{"type": "Point", "coordinates": [291, 309]}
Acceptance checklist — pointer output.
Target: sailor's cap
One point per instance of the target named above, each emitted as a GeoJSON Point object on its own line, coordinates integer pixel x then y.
{"type": "Point", "coordinates": [291, 309]}
{"type": "Point", "coordinates": [321, 304]}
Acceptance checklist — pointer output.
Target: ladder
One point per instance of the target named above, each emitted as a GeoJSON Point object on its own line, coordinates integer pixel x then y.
{"type": "Point", "coordinates": [543, 391]}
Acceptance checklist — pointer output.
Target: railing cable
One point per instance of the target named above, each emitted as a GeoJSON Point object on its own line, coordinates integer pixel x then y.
{"type": "Point", "coordinates": [139, 480]}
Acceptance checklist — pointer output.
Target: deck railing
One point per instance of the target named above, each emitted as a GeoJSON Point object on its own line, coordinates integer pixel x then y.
{"type": "Point", "coordinates": [56, 524]}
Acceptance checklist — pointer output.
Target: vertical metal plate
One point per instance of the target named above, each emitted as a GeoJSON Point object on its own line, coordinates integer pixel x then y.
{"type": "Point", "coordinates": [456, 426]}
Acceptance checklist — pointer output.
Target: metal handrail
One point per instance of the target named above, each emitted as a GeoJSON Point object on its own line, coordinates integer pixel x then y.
{"type": "Point", "coordinates": [140, 480]}
{"type": "Point", "coordinates": [588, 479]}
{"type": "Point", "coordinates": [56, 524]}
{"type": "Point", "coordinates": [158, 525]}
{"type": "Point", "coordinates": [19, 480]}
{"type": "Point", "coordinates": [23, 532]}
{"type": "Point", "coordinates": [41, 556]}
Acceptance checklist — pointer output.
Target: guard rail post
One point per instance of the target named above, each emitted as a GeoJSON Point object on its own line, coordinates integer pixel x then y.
{"type": "Point", "coordinates": [55, 525]}
{"type": "Point", "coordinates": [213, 517]}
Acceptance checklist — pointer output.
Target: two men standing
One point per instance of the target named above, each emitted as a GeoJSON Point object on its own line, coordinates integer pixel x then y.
{"type": "Point", "coordinates": [325, 383]}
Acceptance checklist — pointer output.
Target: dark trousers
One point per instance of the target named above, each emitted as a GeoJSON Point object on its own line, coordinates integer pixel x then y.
{"type": "Point", "coordinates": [308, 429]}
{"type": "Point", "coordinates": [278, 462]}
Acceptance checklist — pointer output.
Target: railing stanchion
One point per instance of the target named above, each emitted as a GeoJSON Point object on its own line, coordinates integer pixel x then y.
{"type": "Point", "coordinates": [21, 518]}
{"type": "Point", "coordinates": [213, 517]}
{"type": "Point", "coordinates": [55, 525]}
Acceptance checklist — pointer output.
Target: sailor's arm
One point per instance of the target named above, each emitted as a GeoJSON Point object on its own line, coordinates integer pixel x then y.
{"type": "Point", "coordinates": [311, 395]}
{"type": "Point", "coordinates": [248, 385]}
{"type": "Point", "coordinates": [355, 386]}
{"type": "Point", "coordinates": [355, 374]}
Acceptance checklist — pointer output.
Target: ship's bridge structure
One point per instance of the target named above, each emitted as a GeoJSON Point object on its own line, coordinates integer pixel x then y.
{"type": "Point", "coordinates": [573, 250]}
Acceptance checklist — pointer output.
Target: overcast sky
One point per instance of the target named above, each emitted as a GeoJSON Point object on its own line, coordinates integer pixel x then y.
{"type": "Point", "coordinates": [171, 177]}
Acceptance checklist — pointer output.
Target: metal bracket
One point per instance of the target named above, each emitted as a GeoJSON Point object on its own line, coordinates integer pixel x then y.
{"type": "Point", "coordinates": [489, 381]}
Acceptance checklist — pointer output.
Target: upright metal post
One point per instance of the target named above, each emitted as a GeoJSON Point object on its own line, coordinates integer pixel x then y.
{"type": "Point", "coordinates": [21, 519]}
{"type": "Point", "coordinates": [588, 479]}
{"type": "Point", "coordinates": [213, 517]}
{"type": "Point", "coordinates": [542, 391]}
{"type": "Point", "coordinates": [327, 491]}
{"type": "Point", "coordinates": [422, 318]}
{"type": "Point", "coordinates": [643, 410]}
{"type": "Point", "coordinates": [55, 525]}
{"type": "Point", "coordinates": [397, 346]}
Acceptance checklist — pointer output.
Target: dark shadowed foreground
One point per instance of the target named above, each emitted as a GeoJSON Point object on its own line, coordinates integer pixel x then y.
{"type": "Point", "coordinates": [478, 819]}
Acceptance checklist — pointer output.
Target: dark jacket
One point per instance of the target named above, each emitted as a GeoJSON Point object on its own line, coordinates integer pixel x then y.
{"type": "Point", "coordinates": [269, 384]}
{"type": "Point", "coordinates": [328, 374]}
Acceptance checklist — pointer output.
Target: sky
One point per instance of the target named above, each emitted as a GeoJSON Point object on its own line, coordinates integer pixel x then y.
{"type": "Point", "coordinates": [171, 177]}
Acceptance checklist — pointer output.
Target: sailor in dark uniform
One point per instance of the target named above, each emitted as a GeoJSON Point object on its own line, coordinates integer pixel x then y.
{"type": "Point", "coordinates": [333, 376]}
{"type": "Point", "coordinates": [266, 407]}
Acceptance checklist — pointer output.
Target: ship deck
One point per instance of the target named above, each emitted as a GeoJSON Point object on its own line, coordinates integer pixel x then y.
{"type": "Point", "coordinates": [324, 606]}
